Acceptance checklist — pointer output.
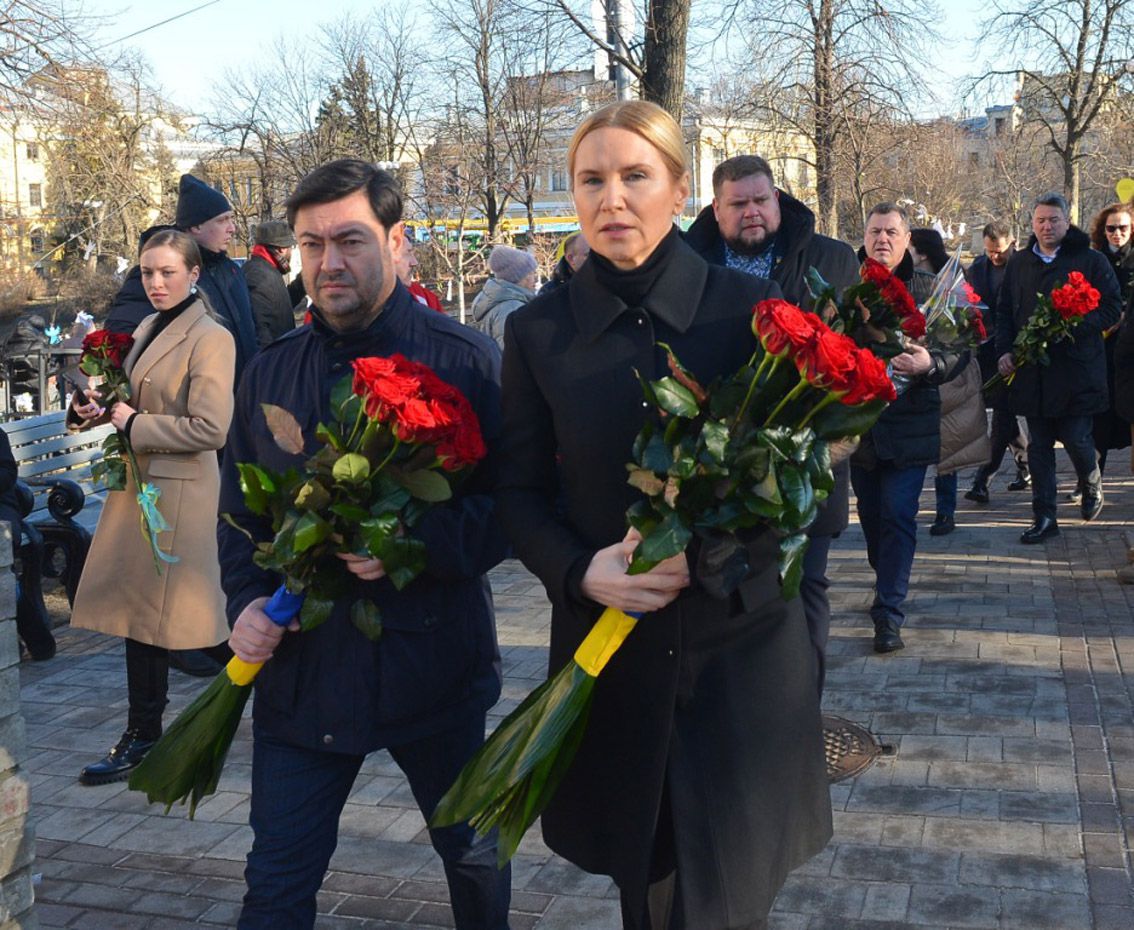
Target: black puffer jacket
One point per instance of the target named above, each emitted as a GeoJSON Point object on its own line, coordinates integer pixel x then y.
{"type": "Point", "coordinates": [271, 302]}
{"type": "Point", "coordinates": [908, 434]}
{"type": "Point", "coordinates": [1074, 384]}
{"type": "Point", "coordinates": [799, 246]}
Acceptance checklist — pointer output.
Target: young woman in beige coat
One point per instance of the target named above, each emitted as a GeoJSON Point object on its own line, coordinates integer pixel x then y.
{"type": "Point", "coordinates": [181, 378]}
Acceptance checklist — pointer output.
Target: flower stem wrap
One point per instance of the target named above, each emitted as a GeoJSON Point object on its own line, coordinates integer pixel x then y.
{"type": "Point", "coordinates": [186, 763]}
{"type": "Point", "coordinates": [513, 776]}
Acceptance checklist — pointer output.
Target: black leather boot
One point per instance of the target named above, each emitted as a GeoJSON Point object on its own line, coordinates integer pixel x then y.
{"type": "Point", "coordinates": [118, 763]}
{"type": "Point", "coordinates": [886, 637]}
{"type": "Point", "coordinates": [979, 491]}
{"type": "Point", "coordinates": [1023, 479]}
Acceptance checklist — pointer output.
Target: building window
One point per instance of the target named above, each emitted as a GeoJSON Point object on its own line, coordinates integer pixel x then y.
{"type": "Point", "coordinates": [558, 179]}
{"type": "Point", "coordinates": [1000, 125]}
{"type": "Point", "coordinates": [248, 190]}
{"type": "Point", "coordinates": [35, 195]}
{"type": "Point", "coordinates": [38, 240]}
{"type": "Point", "coordinates": [974, 159]}
{"type": "Point", "coordinates": [33, 151]}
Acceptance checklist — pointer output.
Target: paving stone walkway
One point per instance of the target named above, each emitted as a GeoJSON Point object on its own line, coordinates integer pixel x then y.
{"type": "Point", "coordinates": [1007, 801]}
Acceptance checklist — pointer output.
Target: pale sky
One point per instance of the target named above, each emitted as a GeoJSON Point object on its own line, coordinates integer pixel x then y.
{"type": "Point", "coordinates": [189, 55]}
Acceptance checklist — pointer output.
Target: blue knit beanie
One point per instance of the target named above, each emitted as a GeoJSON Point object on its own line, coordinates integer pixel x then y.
{"type": "Point", "coordinates": [198, 203]}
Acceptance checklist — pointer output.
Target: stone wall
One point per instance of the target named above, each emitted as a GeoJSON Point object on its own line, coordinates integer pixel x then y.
{"type": "Point", "coordinates": [17, 838]}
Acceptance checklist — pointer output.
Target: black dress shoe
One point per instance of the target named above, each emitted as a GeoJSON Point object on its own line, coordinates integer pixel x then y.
{"type": "Point", "coordinates": [1021, 482]}
{"type": "Point", "coordinates": [978, 492]}
{"type": "Point", "coordinates": [1091, 505]}
{"type": "Point", "coordinates": [887, 638]}
{"type": "Point", "coordinates": [942, 525]}
{"type": "Point", "coordinates": [194, 662]}
{"type": "Point", "coordinates": [118, 763]}
{"type": "Point", "coordinates": [1043, 528]}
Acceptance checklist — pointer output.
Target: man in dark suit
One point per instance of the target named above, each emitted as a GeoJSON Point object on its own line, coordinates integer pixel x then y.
{"type": "Point", "coordinates": [757, 228]}
{"type": "Point", "coordinates": [1059, 399]}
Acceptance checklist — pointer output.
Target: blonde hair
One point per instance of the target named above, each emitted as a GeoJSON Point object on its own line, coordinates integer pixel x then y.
{"type": "Point", "coordinates": [642, 118]}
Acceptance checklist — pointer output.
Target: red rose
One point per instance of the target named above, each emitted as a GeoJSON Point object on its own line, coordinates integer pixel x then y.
{"type": "Point", "coordinates": [874, 272]}
{"type": "Point", "coordinates": [976, 323]}
{"type": "Point", "coordinates": [1075, 298]}
{"type": "Point", "coordinates": [780, 324]}
{"type": "Point", "coordinates": [112, 347]}
{"type": "Point", "coordinates": [830, 361]}
{"type": "Point", "coordinates": [870, 382]}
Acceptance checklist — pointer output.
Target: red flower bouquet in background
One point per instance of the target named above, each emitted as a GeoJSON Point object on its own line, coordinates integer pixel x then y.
{"type": "Point", "coordinates": [398, 437]}
{"type": "Point", "coordinates": [878, 313]}
{"type": "Point", "coordinates": [104, 354]}
{"type": "Point", "coordinates": [953, 317]}
{"type": "Point", "coordinates": [1052, 321]}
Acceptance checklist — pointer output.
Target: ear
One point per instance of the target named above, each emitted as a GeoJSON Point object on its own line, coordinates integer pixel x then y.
{"type": "Point", "coordinates": [396, 237]}
{"type": "Point", "coordinates": [682, 195]}
{"type": "Point", "coordinates": [716, 209]}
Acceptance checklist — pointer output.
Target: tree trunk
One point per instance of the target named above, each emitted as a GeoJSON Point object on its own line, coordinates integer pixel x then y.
{"type": "Point", "coordinates": [1071, 181]}
{"type": "Point", "coordinates": [663, 78]}
{"type": "Point", "coordinates": [823, 134]}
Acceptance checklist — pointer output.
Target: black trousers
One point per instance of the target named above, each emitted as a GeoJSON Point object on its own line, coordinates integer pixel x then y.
{"type": "Point", "coordinates": [147, 684]}
{"type": "Point", "coordinates": [1075, 434]}
{"type": "Point", "coordinates": [1005, 432]}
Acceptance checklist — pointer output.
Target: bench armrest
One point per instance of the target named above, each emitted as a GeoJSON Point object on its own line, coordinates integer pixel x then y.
{"type": "Point", "coordinates": [65, 499]}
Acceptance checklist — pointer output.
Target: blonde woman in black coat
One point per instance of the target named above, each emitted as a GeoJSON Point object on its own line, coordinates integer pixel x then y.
{"type": "Point", "coordinates": [700, 782]}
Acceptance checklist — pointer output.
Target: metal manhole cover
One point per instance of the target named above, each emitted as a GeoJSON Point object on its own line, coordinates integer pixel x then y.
{"type": "Point", "coordinates": [849, 748]}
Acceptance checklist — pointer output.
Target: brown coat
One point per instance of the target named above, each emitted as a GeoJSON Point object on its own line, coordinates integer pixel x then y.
{"type": "Point", "coordinates": [181, 386]}
{"type": "Point", "coordinates": [964, 423]}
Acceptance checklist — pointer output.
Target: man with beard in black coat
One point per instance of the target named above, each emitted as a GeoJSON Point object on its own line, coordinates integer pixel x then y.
{"type": "Point", "coordinates": [757, 228]}
{"type": "Point", "coordinates": [1059, 399]}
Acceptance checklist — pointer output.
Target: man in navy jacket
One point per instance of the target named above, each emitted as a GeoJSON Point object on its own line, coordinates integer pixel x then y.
{"type": "Point", "coordinates": [329, 696]}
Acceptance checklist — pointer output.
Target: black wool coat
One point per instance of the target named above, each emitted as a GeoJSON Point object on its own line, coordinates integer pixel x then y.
{"type": "Point", "coordinates": [715, 698]}
{"type": "Point", "coordinates": [271, 303]}
{"type": "Point", "coordinates": [1074, 384]}
{"type": "Point", "coordinates": [799, 247]}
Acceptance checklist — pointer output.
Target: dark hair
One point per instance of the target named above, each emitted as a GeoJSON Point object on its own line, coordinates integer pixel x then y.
{"type": "Point", "coordinates": [1098, 224]}
{"type": "Point", "coordinates": [181, 243]}
{"type": "Point", "coordinates": [338, 179]}
{"type": "Point", "coordinates": [1053, 199]}
{"type": "Point", "coordinates": [887, 207]}
{"type": "Point", "coordinates": [995, 230]}
{"type": "Point", "coordinates": [740, 167]}
{"type": "Point", "coordinates": [930, 244]}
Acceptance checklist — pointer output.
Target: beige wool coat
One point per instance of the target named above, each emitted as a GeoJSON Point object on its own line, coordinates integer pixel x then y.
{"type": "Point", "coordinates": [181, 386]}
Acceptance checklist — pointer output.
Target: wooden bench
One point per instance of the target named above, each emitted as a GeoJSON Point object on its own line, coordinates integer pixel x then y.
{"type": "Point", "coordinates": [59, 500]}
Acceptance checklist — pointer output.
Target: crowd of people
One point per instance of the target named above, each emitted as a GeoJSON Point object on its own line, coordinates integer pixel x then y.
{"type": "Point", "coordinates": [700, 781]}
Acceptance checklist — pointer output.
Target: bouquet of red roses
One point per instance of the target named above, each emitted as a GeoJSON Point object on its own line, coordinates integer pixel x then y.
{"type": "Point", "coordinates": [1052, 320]}
{"type": "Point", "coordinates": [747, 450]}
{"type": "Point", "coordinates": [103, 356]}
{"type": "Point", "coordinates": [878, 312]}
{"type": "Point", "coordinates": [398, 437]}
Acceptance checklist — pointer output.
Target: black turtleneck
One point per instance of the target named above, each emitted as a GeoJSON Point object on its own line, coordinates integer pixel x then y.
{"type": "Point", "coordinates": [632, 286]}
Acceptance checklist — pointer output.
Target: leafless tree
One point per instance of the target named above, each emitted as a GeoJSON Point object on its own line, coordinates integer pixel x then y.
{"type": "Point", "coordinates": [35, 34]}
{"type": "Point", "coordinates": [1071, 59]}
{"type": "Point", "coordinates": [657, 60]}
{"type": "Point", "coordinates": [830, 58]}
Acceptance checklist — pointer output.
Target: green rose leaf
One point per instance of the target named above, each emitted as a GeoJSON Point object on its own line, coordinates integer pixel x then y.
{"type": "Point", "coordinates": [425, 485]}
{"type": "Point", "coordinates": [714, 436]}
{"type": "Point", "coordinates": [656, 456]}
{"type": "Point", "coordinates": [257, 485]}
{"type": "Point", "coordinates": [311, 529]}
{"type": "Point", "coordinates": [792, 549]}
{"type": "Point", "coordinates": [312, 496]}
{"type": "Point", "coordinates": [350, 512]}
{"type": "Point", "coordinates": [315, 610]}
{"type": "Point", "coordinates": [667, 539]}
{"type": "Point", "coordinates": [351, 468]}
{"type": "Point", "coordinates": [330, 436]}
{"type": "Point", "coordinates": [403, 559]}
{"type": "Point", "coordinates": [342, 394]}
{"type": "Point", "coordinates": [675, 398]}
{"type": "Point", "coordinates": [837, 421]}
{"type": "Point", "coordinates": [367, 619]}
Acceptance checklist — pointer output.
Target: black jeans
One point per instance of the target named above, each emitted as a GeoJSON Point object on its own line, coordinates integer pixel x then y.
{"type": "Point", "coordinates": [147, 684]}
{"type": "Point", "coordinates": [1075, 434]}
